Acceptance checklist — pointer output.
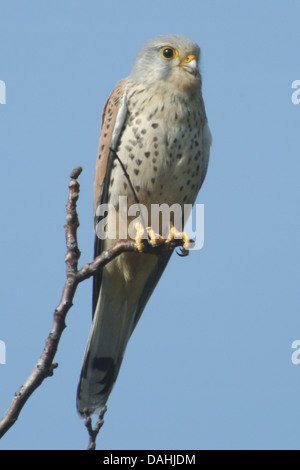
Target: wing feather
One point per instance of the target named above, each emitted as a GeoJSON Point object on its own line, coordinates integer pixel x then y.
{"type": "Point", "coordinates": [110, 113]}
{"type": "Point", "coordinates": [113, 119]}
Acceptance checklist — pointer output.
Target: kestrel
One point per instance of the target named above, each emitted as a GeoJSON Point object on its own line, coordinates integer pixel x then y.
{"type": "Point", "coordinates": [155, 122]}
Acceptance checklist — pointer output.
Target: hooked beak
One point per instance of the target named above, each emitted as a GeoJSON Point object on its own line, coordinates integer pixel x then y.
{"type": "Point", "coordinates": [189, 64]}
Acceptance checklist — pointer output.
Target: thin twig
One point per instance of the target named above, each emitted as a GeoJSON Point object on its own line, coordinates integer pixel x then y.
{"type": "Point", "coordinates": [93, 432]}
{"type": "Point", "coordinates": [126, 175]}
{"type": "Point", "coordinates": [131, 187]}
{"type": "Point", "coordinates": [45, 365]}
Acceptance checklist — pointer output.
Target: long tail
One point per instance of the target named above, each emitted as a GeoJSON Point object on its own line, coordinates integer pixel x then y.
{"type": "Point", "coordinates": [110, 332]}
{"type": "Point", "coordinates": [126, 286]}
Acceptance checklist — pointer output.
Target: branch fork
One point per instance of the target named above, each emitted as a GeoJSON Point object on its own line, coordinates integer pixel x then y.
{"type": "Point", "coordinates": [45, 365]}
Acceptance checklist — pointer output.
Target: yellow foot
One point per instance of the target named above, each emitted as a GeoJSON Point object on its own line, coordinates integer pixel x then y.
{"type": "Point", "coordinates": [152, 237]}
{"type": "Point", "coordinates": [156, 239]}
{"type": "Point", "coordinates": [140, 236]}
{"type": "Point", "coordinates": [186, 240]}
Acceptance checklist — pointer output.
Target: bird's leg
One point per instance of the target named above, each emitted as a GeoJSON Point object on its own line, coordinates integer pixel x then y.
{"type": "Point", "coordinates": [174, 233]}
{"type": "Point", "coordinates": [152, 237]}
{"type": "Point", "coordinates": [156, 239]}
{"type": "Point", "coordinates": [140, 236]}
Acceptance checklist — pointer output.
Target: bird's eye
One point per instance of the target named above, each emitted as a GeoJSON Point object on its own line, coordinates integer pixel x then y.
{"type": "Point", "coordinates": [169, 53]}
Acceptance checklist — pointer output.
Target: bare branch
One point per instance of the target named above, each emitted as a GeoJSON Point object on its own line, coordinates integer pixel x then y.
{"type": "Point", "coordinates": [93, 432]}
{"type": "Point", "coordinates": [45, 365]}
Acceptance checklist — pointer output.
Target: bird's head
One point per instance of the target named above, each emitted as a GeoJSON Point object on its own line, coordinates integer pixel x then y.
{"type": "Point", "coordinates": [171, 59]}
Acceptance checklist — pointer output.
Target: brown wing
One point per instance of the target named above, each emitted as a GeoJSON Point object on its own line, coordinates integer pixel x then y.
{"type": "Point", "coordinates": [109, 116]}
{"type": "Point", "coordinates": [104, 164]}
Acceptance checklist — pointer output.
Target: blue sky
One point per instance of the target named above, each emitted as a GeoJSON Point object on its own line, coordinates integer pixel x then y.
{"type": "Point", "coordinates": [209, 365]}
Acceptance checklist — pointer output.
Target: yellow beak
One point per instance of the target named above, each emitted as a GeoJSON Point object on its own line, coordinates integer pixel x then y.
{"type": "Point", "coordinates": [189, 64]}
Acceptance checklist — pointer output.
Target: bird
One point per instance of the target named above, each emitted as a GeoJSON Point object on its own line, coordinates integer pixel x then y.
{"type": "Point", "coordinates": [154, 126]}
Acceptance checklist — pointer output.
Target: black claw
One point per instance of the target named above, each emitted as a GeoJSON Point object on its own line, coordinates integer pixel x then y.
{"type": "Point", "coordinates": [183, 252]}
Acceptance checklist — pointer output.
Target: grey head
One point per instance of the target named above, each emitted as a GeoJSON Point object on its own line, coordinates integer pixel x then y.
{"type": "Point", "coordinates": [170, 58]}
